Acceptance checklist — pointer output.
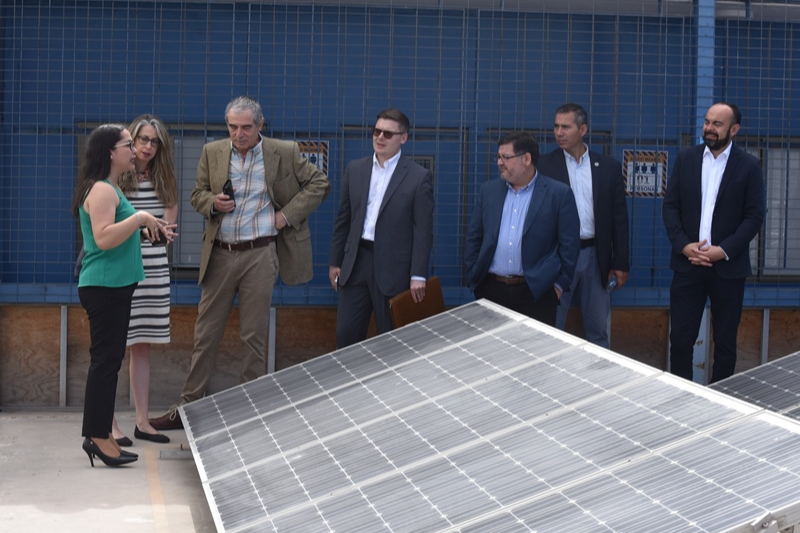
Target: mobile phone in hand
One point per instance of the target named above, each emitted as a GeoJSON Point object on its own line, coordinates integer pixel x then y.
{"type": "Point", "coordinates": [227, 189]}
{"type": "Point", "coordinates": [160, 238]}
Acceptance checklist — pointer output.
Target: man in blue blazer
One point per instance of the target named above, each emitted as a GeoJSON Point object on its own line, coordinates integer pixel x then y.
{"type": "Point", "coordinates": [713, 208]}
{"type": "Point", "coordinates": [596, 181]}
{"type": "Point", "coordinates": [383, 232]}
{"type": "Point", "coordinates": [523, 239]}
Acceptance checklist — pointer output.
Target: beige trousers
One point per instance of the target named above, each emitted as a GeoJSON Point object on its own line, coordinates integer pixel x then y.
{"type": "Point", "coordinates": [251, 274]}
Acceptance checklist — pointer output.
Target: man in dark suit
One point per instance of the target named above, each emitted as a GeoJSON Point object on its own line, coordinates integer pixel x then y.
{"type": "Point", "coordinates": [713, 207]}
{"type": "Point", "coordinates": [596, 181]}
{"type": "Point", "coordinates": [383, 233]}
{"type": "Point", "coordinates": [523, 239]}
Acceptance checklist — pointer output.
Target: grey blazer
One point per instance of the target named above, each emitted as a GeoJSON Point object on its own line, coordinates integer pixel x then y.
{"type": "Point", "coordinates": [404, 229]}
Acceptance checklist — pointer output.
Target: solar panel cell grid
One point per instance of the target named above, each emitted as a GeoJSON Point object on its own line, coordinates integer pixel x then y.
{"type": "Point", "coordinates": [480, 420]}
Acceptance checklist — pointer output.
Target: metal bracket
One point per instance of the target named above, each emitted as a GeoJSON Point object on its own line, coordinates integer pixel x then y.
{"type": "Point", "coordinates": [765, 524]}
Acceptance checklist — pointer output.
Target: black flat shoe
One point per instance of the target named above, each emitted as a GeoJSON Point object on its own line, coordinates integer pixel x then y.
{"type": "Point", "coordinates": [93, 450]}
{"type": "Point", "coordinates": [124, 441]}
{"type": "Point", "coordinates": [152, 437]}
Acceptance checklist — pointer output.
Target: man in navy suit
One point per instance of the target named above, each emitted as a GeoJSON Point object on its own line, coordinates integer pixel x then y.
{"type": "Point", "coordinates": [383, 233]}
{"type": "Point", "coordinates": [523, 239]}
{"type": "Point", "coordinates": [596, 181]}
{"type": "Point", "coordinates": [713, 207]}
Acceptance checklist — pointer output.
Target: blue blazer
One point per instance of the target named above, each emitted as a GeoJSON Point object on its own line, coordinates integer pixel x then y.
{"type": "Point", "coordinates": [550, 237]}
{"type": "Point", "coordinates": [738, 212]}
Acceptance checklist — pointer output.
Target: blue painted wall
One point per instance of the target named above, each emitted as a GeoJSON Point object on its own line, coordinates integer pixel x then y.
{"type": "Point", "coordinates": [461, 75]}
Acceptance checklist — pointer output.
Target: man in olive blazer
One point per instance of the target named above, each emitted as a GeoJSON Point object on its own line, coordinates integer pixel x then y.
{"type": "Point", "coordinates": [249, 240]}
{"type": "Point", "coordinates": [295, 186]}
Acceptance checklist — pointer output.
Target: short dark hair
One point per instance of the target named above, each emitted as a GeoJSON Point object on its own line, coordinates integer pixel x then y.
{"type": "Point", "coordinates": [396, 115]}
{"type": "Point", "coordinates": [737, 115]}
{"type": "Point", "coordinates": [523, 142]}
{"type": "Point", "coordinates": [581, 117]}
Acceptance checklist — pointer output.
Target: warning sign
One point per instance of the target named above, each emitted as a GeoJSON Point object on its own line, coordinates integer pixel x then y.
{"type": "Point", "coordinates": [316, 152]}
{"type": "Point", "coordinates": [645, 172]}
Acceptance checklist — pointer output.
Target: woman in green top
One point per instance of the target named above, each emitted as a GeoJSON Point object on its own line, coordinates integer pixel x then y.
{"type": "Point", "coordinates": [112, 266]}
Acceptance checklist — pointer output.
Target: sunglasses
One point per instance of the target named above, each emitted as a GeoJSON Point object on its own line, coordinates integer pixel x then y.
{"type": "Point", "coordinates": [144, 140]}
{"type": "Point", "coordinates": [129, 144]}
{"type": "Point", "coordinates": [376, 132]}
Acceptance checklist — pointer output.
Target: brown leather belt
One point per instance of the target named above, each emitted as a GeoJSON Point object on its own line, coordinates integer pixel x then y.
{"type": "Point", "coordinates": [585, 243]}
{"type": "Point", "coordinates": [509, 280]}
{"type": "Point", "coordinates": [246, 245]}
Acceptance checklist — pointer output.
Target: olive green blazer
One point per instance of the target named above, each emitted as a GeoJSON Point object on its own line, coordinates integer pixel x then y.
{"type": "Point", "coordinates": [295, 186]}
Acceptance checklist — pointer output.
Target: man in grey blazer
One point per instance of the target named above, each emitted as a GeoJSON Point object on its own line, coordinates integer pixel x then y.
{"type": "Point", "coordinates": [713, 208]}
{"type": "Point", "coordinates": [249, 240]}
{"type": "Point", "coordinates": [383, 233]}
{"type": "Point", "coordinates": [596, 181]}
{"type": "Point", "coordinates": [523, 238]}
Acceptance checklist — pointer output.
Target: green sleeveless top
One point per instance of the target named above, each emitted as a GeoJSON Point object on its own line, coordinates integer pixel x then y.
{"type": "Point", "coordinates": [117, 267]}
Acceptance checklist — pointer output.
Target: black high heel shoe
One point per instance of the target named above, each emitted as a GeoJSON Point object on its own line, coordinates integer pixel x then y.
{"type": "Point", "coordinates": [93, 450]}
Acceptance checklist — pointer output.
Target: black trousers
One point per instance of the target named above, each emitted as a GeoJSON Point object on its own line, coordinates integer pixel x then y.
{"type": "Point", "coordinates": [520, 299]}
{"type": "Point", "coordinates": [109, 310]}
{"type": "Point", "coordinates": [687, 299]}
{"type": "Point", "coordinates": [358, 299]}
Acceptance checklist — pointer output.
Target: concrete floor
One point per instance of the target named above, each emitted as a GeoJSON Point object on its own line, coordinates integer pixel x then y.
{"type": "Point", "coordinates": [47, 483]}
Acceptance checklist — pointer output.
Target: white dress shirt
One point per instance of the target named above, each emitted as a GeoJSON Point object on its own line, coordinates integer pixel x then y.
{"type": "Point", "coordinates": [713, 168]}
{"type": "Point", "coordinates": [378, 183]}
{"type": "Point", "coordinates": [580, 179]}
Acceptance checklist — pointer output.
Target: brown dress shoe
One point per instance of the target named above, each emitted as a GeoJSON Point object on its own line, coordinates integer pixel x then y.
{"type": "Point", "coordinates": [171, 420]}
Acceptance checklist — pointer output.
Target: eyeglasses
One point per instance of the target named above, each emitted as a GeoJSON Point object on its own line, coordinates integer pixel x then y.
{"type": "Point", "coordinates": [376, 132]}
{"type": "Point", "coordinates": [505, 157]}
{"type": "Point", "coordinates": [144, 140]}
{"type": "Point", "coordinates": [129, 144]}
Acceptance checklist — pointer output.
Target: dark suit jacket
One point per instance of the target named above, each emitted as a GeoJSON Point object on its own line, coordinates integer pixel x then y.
{"type": "Point", "coordinates": [738, 212]}
{"type": "Point", "coordinates": [550, 237]}
{"type": "Point", "coordinates": [610, 208]}
{"type": "Point", "coordinates": [295, 186]}
{"type": "Point", "coordinates": [403, 231]}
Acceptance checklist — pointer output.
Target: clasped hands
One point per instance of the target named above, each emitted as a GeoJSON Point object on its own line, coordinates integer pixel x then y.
{"type": "Point", "coordinates": [701, 254]}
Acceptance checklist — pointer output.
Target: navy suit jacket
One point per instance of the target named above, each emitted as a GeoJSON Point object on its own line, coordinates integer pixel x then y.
{"type": "Point", "coordinates": [550, 237]}
{"type": "Point", "coordinates": [738, 212]}
{"type": "Point", "coordinates": [610, 208]}
{"type": "Point", "coordinates": [403, 231]}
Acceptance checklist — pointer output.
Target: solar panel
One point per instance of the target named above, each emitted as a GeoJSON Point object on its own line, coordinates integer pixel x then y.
{"type": "Point", "coordinates": [774, 386]}
{"type": "Point", "coordinates": [481, 420]}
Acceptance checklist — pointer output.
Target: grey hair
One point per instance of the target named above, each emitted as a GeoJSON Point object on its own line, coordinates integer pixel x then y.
{"type": "Point", "coordinates": [244, 103]}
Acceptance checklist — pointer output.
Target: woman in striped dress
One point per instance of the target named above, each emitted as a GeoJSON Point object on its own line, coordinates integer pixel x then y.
{"type": "Point", "coordinates": [151, 187]}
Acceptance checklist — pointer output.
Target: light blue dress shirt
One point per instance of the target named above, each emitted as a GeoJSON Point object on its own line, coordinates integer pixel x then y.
{"type": "Point", "coordinates": [507, 260]}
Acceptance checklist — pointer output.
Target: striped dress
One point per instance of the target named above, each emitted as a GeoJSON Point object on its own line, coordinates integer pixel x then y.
{"type": "Point", "coordinates": [150, 308]}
